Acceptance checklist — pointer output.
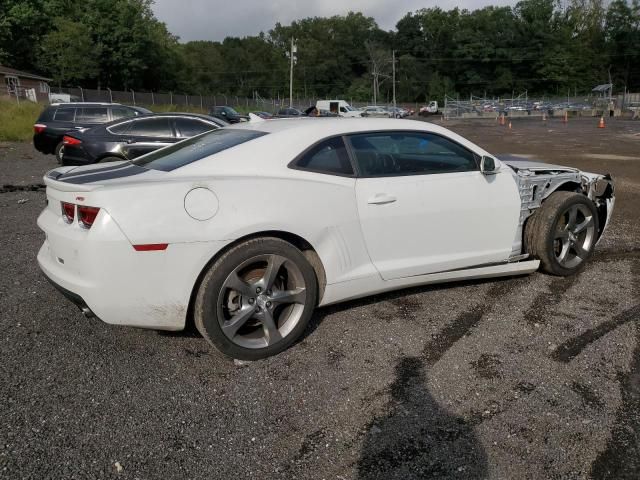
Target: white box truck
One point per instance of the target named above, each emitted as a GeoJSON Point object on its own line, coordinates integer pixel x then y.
{"type": "Point", "coordinates": [339, 107]}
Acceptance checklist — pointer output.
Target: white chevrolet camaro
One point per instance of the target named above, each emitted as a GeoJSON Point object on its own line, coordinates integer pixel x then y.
{"type": "Point", "coordinates": [246, 229]}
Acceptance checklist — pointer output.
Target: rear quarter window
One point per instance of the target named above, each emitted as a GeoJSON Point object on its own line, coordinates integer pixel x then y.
{"type": "Point", "coordinates": [64, 115]}
{"type": "Point", "coordinates": [47, 114]}
{"type": "Point", "coordinates": [196, 148]}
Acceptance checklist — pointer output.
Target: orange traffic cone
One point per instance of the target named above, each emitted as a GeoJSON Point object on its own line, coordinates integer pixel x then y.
{"type": "Point", "coordinates": [509, 125]}
{"type": "Point", "coordinates": [601, 123]}
{"type": "Point", "coordinates": [502, 119]}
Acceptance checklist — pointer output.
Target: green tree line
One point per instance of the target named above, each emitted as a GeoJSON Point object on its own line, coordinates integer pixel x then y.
{"type": "Point", "coordinates": [542, 46]}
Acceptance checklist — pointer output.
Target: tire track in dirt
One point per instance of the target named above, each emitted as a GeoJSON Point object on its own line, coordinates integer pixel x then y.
{"type": "Point", "coordinates": [621, 457]}
{"type": "Point", "coordinates": [574, 346]}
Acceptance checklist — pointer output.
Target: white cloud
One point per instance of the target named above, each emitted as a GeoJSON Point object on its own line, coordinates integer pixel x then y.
{"type": "Point", "coordinates": [217, 19]}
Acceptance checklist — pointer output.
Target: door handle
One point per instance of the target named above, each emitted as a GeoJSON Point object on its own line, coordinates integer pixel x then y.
{"type": "Point", "coordinates": [381, 199]}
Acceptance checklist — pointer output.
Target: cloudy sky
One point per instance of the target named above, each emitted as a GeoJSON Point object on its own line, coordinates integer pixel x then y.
{"type": "Point", "coordinates": [216, 19]}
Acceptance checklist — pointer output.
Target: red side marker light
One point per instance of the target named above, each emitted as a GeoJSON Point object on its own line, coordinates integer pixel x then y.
{"type": "Point", "coordinates": [149, 247]}
{"type": "Point", "coordinates": [87, 215]}
{"type": "Point", "coordinates": [39, 128]}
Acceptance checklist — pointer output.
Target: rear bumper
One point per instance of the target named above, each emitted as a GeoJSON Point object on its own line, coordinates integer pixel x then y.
{"type": "Point", "coordinates": [101, 272]}
{"type": "Point", "coordinates": [76, 299]}
{"type": "Point", "coordinates": [46, 143]}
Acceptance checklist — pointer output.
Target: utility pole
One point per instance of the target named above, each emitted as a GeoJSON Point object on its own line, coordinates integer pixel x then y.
{"type": "Point", "coordinates": [393, 54]}
{"type": "Point", "coordinates": [294, 50]}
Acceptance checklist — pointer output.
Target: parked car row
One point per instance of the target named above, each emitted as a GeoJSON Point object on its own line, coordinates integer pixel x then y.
{"type": "Point", "coordinates": [59, 118]}
{"type": "Point", "coordinates": [80, 133]}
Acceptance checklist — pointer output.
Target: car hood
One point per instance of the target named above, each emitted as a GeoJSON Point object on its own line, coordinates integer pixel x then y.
{"type": "Point", "coordinates": [522, 163]}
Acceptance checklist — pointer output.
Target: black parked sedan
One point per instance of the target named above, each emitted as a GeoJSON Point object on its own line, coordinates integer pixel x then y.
{"type": "Point", "coordinates": [59, 118]}
{"type": "Point", "coordinates": [227, 114]}
{"type": "Point", "coordinates": [126, 140]}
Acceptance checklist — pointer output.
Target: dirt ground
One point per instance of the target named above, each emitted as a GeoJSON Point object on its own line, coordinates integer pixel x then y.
{"type": "Point", "coordinates": [532, 377]}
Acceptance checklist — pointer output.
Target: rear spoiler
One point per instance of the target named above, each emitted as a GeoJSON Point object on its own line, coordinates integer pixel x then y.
{"type": "Point", "coordinates": [51, 180]}
{"type": "Point", "coordinates": [87, 178]}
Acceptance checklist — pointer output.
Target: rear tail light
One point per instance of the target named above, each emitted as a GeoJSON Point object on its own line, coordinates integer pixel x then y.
{"type": "Point", "coordinates": [87, 215]}
{"type": "Point", "coordinates": [39, 128]}
{"type": "Point", "coordinates": [67, 140]}
{"type": "Point", "coordinates": [68, 211]}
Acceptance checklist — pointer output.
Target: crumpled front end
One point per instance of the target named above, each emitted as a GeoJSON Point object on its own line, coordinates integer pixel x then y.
{"type": "Point", "coordinates": [537, 180]}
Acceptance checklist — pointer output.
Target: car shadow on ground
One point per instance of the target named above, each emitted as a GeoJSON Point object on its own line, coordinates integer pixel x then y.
{"type": "Point", "coordinates": [418, 438]}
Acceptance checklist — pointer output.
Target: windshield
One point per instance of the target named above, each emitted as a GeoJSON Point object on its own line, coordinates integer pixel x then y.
{"type": "Point", "coordinates": [231, 111]}
{"type": "Point", "coordinates": [349, 108]}
{"type": "Point", "coordinates": [195, 148]}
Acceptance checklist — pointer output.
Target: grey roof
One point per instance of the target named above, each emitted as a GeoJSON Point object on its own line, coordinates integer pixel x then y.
{"type": "Point", "coordinates": [12, 71]}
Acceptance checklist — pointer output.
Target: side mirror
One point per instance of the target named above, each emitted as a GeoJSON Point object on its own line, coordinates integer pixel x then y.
{"type": "Point", "coordinates": [488, 165]}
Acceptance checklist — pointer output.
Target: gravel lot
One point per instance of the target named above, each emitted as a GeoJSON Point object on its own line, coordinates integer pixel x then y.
{"type": "Point", "coordinates": [531, 377]}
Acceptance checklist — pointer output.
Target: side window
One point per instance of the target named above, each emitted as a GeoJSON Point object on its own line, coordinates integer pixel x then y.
{"type": "Point", "coordinates": [92, 115]}
{"type": "Point", "coordinates": [189, 127]}
{"type": "Point", "coordinates": [120, 129]}
{"type": "Point", "coordinates": [65, 115]}
{"type": "Point", "coordinates": [329, 157]}
{"type": "Point", "coordinates": [121, 112]}
{"type": "Point", "coordinates": [409, 153]}
{"type": "Point", "coordinates": [151, 127]}
{"type": "Point", "coordinates": [343, 110]}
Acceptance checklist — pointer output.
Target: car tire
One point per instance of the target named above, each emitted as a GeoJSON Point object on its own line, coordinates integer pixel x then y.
{"type": "Point", "coordinates": [256, 299]}
{"type": "Point", "coordinates": [58, 152]}
{"type": "Point", "coordinates": [563, 233]}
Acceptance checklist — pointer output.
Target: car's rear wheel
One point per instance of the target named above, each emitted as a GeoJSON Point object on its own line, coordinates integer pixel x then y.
{"type": "Point", "coordinates": [563, 232]}
{"type": "Point", "coordinates": [59, 150]}
{"type": "Point", "coordinates": [256, 299]}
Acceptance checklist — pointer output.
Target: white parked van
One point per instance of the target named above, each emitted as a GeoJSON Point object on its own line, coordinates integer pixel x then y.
{"type": "Point", "coordinates": [339, 107]}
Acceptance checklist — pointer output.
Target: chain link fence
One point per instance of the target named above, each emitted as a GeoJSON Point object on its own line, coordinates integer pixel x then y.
{"type": "Point", "coordinates": [523, 105]}
{"type": "Point", "coordinates": [204, 102]}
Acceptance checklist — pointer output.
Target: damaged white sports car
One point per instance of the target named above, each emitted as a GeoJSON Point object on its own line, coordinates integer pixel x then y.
{"type": "Point", "coordinates": [246, 229]}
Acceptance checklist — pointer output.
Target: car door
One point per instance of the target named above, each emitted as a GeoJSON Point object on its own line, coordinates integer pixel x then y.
{"type": "Point", "coordinates": [147, 135]}
{"type": "Point", "coordinates": [425, 207]}
{"type": "Point", "coordinates": [190, 127]}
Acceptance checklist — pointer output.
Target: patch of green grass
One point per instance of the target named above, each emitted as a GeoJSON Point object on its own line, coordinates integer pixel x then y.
{"type": "Point", "coordinates": [17, 119]}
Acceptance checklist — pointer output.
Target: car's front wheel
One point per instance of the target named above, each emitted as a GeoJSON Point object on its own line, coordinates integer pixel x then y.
{"type": "Point", "coordinates": [563, 232]}
{"type": "Point", "coordinates": [256, 299]}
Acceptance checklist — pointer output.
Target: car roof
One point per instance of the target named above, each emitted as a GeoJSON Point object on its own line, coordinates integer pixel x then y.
{"type": "Point", "coordinates": [327, 126]}
{"type": "Point", "coordinates": [177, 114]}
{"type": "Point", "coordinates": [217, 121]}
{"type": "Point", "coordinates": [87, 104]}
